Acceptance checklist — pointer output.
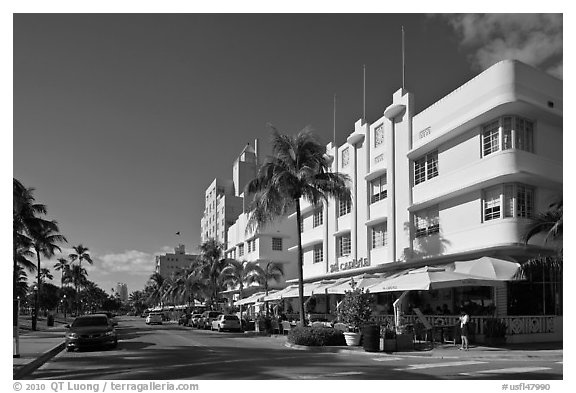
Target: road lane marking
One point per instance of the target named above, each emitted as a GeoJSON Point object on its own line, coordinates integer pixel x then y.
{"type": "Point", "coordinates": [511, 370]}
{"type": "Point", "coordinates": [387, 359]}
{"type": "Point", "coordinates": [434, 365]}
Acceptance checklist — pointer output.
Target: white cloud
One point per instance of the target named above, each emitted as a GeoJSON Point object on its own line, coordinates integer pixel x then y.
{"type": "Point", "coordinates": [130, 261]}
{"type": "Point", "coordinates": [535, 39]}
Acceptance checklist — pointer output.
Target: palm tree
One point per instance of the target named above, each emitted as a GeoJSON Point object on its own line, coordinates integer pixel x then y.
{"type": "Point", "coordinates": [25, 217]}
{"type": "Point", "coordinates": [209, 266]}
{"type": "Point", "coordinates": [22, 283]}
{"type": "Point", "coordinates": [45, 274]}
{"type": "Point", "coordinates": [81, 254]}
{"type": "Point", "coordinates": [298, 169]}
{"type": "Point", "coordinates": [185, 286]}
{"type": "Point", "coordinates": [44, 239]}
{"type": "Point", "coordinates": [238, 274]}
{"type": "Point", "coordinates": [62, 265]}
{"type": "Point", "coordinates": [550, 225]}
{"type": "Point", "coordinates": [156, 289]}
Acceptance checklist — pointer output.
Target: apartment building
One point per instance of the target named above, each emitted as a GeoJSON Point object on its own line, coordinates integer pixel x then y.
{"type": "Point", "coordinates": [458, 180]}
{"type": "Point", "coordinates": [169, 263]}
{"type": "Point", "coordinates": [223, 198]}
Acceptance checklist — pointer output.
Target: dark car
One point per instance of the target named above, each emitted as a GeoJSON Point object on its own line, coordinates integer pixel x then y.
{"type": "Point", "coordinates": [94, 330]}
{"type": "Point", "coordinates": [184, 319]}
{"type": "Point", "coordinates": [111, 316]}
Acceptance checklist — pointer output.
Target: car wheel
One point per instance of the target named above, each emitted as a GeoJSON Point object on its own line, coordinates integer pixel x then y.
{"type": "Point", "coordinates": [69, 349]}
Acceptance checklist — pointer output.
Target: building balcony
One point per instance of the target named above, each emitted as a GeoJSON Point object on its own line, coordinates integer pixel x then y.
{"type": "Point", "coordinates": [499, 167]}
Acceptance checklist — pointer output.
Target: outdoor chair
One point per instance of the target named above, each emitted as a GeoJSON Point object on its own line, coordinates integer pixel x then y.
{"type": "Point", "coordinates": [317, 324]}
{"type": "Point", "coordinates": [286, 327]}
{"type": "Point", "coordinates": [341, 326]}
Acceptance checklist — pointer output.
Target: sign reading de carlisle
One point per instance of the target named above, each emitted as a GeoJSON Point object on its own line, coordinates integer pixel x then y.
{"type": "Point", "coordinates": [353, 264]}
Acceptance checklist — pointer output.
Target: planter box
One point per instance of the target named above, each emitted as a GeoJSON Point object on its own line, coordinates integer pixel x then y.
{"type": "Point", "coordinates": [390, 345]}
{"type": "Point", "coordinates": [405, 342]}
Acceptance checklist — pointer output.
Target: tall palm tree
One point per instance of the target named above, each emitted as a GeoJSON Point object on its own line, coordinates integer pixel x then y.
{"type": "Point", "coordinates": [80, 254]}
{"type": "Point", "coordinates": [550, 225]}
{"type": "Point", "coordinates": [185, 286]}
{"type": "Point", "coordinates": [209, 266]}
{"type": "Point", "coordinates": [298, 169]}
{"type": "Point", "coordinates": [62, 265]}
{"type": "Point", "coordinates": [45, 274]}
{"type": "Point", "coordinates": [22, 283]}
{"type": "Point", "coordinates": [156, 285]}
{"type": "Point", "coordinates": [238, 274]}
{"type": "Point", "coordinates": [44, 242]}
{"type": "Point", "coordinates": [25, 217]}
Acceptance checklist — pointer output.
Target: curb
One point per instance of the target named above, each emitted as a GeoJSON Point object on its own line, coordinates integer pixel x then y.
{"type": "Point", "coordinates": [429, 355]}
{"type": "Point", "coordinates": [29, 368]}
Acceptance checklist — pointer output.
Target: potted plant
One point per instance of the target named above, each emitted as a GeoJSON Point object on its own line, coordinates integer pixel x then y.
{"type": "Point", "coordinates": [355, 311]}
{"type": "Point", "coordinates": [494, 332]}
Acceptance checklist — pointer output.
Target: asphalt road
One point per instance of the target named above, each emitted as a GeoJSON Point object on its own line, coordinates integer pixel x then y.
{"type": "Point", "coordinates": [171, 352]}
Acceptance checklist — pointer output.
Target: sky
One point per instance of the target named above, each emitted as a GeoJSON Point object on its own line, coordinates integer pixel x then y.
{"type": "Point", "coordinates": [121, 121]}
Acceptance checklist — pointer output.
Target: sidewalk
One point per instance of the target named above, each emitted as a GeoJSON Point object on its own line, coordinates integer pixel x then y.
{"type": "Point", "coordinates": [531, 351]}
{"type": "Point", "coordinates": [37, 347]}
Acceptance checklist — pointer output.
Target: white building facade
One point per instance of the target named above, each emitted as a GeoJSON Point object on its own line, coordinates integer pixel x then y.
{"type": "Point", "coordinates": [169, 264]}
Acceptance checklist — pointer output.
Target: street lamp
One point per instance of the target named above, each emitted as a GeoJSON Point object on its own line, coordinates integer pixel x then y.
{"type": "Point", "coordinates": [64, 303]}
{"type": "Point", "coordinates": [35, 310]}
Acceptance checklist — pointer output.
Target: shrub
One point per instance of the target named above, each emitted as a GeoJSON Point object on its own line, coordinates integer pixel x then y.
{"type": "Point", "coordinates": [316, 336]}
{"type": "Point", "coordinates": [355, 309]}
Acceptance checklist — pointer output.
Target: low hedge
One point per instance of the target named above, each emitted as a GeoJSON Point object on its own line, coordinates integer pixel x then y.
{"type": "Point", "coordinates": [316, 336]}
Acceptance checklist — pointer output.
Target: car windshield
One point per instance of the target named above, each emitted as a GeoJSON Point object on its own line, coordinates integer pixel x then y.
{"type": "Point", "coordinates": [230, 318]}
{"type": "Point", "coordinates": [91, 321]}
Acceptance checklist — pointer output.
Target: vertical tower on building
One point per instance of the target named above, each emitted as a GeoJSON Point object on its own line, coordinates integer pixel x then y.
{"type": "Point", "coordinates": [224, 200]}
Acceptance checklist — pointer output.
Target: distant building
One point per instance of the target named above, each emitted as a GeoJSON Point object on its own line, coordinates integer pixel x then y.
{"type": "Point", "coordinates": [223, 198]}
{"type": "Point", "coordinates": [168, 264]}
{"type": "Point", "coordinates": [122, 291]}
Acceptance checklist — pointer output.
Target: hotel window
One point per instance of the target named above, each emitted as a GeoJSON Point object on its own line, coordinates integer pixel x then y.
{"type": "Point", "coordinates": [508, 200]}
{"type": "Point", "coordinates": [276, 244]}
{"type": "Point", "coordinates": [427, 222]}
{"type": "Point", "coordinates": [241, 249]}
{"type": "Point", "coordinates": [345, 157]}
{"type": "Point", "coordinates": [378, 189]}
{"type": "Point", "coordinates": [379, 235]}
{"type": "Point", "coordinates": [318, 218]}
{"type": "Point", "coordinates": [344, 246]}
{"type": "Point", "coordinates": [379, 135]}
{"type": "Point", "coordinates": [318, 253]}
{"type": "Point", "coordinates": [426, 167]}
{"type": "Point", "coordinates": [344, 207]}
{"type": "Point", "coordinates": [507, 132]}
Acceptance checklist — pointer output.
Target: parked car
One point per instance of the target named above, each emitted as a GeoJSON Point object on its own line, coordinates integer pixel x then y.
{"type": "Point", "coordinates": [207, 318]}
{"type": "Point", "coordinates": [194, 319]}
{"type": "Point", "coordinates": [226, 322]}
{"type": "Point", "coordinates": [154, 318]}
{"type": "Point", "coordinates": [111, 316]}
{"type": "Point", "coordinates": [184, 319]}
{"type": "Point", "coordinates": [91, 330]}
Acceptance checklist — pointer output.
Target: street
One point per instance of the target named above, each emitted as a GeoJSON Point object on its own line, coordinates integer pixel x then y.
{"type": "Point", "coordinates": [170, 352]}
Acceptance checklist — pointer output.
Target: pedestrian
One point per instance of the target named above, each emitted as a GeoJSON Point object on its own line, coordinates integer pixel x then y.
{"type": "Point", "coordinates": [464, 320]}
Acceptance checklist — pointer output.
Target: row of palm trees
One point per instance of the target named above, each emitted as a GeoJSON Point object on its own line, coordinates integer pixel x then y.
{"type": "Point", "coordinates": [36, 236]}
{"type": "Point", "coordinates": [207, 277]}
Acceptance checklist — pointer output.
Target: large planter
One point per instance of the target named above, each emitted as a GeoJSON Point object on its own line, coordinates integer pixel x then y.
{"type": "Point", "coordinates": [352, 338]}
{"type": "Point", "coordinates": [371, 338]}
{"type": "Point", "coordinates": [405, 342]}
{"type": "Point", "coordinates": [389, 345]}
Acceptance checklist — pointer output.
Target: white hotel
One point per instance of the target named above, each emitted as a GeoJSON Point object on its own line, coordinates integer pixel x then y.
{"type": "Point", "coordinates": [457, 181]}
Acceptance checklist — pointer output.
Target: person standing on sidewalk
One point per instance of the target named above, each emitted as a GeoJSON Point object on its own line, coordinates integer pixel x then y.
{"type": "Point", "coordinates": [464, 319]}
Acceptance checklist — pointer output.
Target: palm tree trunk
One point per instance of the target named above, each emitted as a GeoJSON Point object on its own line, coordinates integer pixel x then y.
{"type": "Point", "coordinates": [36, 295]}
{"type": "Point", "coordinates": [14, 274]}
{"type": "Point", "coordinates": [300, 264]}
